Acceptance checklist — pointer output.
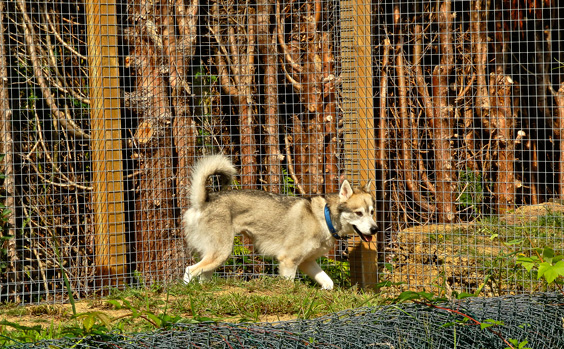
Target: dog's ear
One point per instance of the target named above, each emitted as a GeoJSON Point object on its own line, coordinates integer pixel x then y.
{"type": "Point", "coordinates": [346, 191]}
{"type": "Point", "coordinates": [368, 187]}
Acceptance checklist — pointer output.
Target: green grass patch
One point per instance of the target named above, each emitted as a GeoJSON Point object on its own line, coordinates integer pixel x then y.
{"type": "Point", "coordinates": [140, 310]}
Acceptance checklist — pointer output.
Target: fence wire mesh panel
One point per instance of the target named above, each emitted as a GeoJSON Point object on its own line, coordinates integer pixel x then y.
{"type": "Point", "coordinates": [452, 110]}
{"type": "Point", "coordinates": [393, 326]}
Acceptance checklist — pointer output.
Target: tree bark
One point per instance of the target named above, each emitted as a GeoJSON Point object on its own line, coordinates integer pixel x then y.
{"type": "Point", "coordinates": [504, 119]}
{"type": "Point", "coordinates": [312, 95]}
{"type": "Point", "coordinates": [7, 166]}
{"type": "Point", "coordinates": [182, 45]}
{"type": "Point", "coordinates": [236, 66]}
{"type": "Point", "coordinates": [268, 50]}
{"type": "Point", "coordinates": [428, 108]}
{"type": "Point", "coordinates": [408, 129]}
{"type": "Point", "coordinates": [156, 48]}
{"type": "Point", "coordinates": [382, 120]}
{"type": "Point", "coordinates": [480, 49]}
{"type": "Point", "coordinates": [441, 122]}
{"type": "Point", "coordinates": [313, 85]}
{"type": "Point", "coordinates": [559, 131]}
{"type": "Point", "coordinates": [331, 115]}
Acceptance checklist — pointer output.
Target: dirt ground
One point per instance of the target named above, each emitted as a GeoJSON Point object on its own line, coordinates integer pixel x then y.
{"type": "Point", "coordinates": [458, 257]}
{"type": "Point", "coordinates": [56, 314]}
{"type": "Point", "coordinates": [532, 213]}
{"type": "Point", "coordinates": [60, 314]}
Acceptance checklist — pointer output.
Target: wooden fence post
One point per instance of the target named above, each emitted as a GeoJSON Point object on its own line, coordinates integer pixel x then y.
{"type": "Point", "coordinates": [359, 135]}
{"type": "Point", "coordinates": [107, 181]}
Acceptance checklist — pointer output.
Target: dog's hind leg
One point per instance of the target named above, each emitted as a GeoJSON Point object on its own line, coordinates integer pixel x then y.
{"type": "Point", "coordinates": [212, 258]}
{"type": "Point", "coordinates": [212, 244]}
{"type": "Point", "coordinates": [198, 269]}
{"type": "Point", "coordinates": [205, 268]}
{"type": "Point", "coordinates": [313, 270]}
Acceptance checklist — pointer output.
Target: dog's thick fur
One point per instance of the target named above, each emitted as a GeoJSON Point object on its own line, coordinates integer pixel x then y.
{"type": "Point", "coordinates": [291, 229]}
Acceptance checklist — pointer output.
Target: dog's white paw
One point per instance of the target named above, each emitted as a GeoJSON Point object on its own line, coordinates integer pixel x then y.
{"type": "Point", "coordinates": [187, 276]}
{"type": "Point", "coordinates": [324, 280]}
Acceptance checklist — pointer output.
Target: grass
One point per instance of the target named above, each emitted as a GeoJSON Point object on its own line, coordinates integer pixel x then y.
{"type": "Point", "coordinates": [139, 310]}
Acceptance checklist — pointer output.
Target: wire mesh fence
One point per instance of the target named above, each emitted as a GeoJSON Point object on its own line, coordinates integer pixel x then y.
{"type": "Point", "coordinates": [532, 321]}
{"type": "Point", "coordinates": [453, 109]}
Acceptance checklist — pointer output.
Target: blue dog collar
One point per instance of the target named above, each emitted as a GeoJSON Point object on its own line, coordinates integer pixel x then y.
{"type": "Point", "coordinates": [330, 224]}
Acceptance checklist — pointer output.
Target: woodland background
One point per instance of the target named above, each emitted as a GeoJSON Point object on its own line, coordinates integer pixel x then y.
{"type": "Point", "coordinates": [470, 116]}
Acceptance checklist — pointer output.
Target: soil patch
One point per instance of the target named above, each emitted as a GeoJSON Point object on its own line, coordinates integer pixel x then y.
{"type": "Point", "coordinates": [58, 315]}
{"type": "Point", "coordinates": [531, 213]}
{"type": "Point", "coordinates": [467, 257]}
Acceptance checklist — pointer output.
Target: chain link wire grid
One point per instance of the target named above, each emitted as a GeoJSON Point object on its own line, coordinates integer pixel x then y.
{"type": "Point", "coordinates": [536, 319]}
{"type": "Point", "coordinates": [454, 110]}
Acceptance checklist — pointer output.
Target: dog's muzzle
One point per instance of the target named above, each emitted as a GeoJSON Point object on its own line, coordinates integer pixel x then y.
{"type": "Point", "coordinates": [366, 238]}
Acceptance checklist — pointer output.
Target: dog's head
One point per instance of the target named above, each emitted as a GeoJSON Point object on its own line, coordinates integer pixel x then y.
{"type": "Point", "coordinates": [356, 207]}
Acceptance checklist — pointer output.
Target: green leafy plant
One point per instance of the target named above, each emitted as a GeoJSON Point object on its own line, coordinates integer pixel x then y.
{"type": "Point", "coordinates": [547, 264]}
{"type": "Point", "coordinates": [517, 344]}
{"type": "Point", "coordinates": [93, 322]}
{"type": "Point", "coordinates": [156, 319]}
{"type": "Point", "coordinates": [5, 227]}
{"type": "Point", "coordinates": [309, 308]}
{"type": "Point", "coordinates": [288, 188]}
{"type": "Point", "coordinates": [338, 271]}
{"type": "Point", "coordinates": [243, 261]}
{"type": "Point", "coordinates": [470, 191]}
{"type": "Point", "coordinates": [20, 333]}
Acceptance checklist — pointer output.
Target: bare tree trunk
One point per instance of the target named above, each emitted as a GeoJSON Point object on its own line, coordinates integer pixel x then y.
{"type": "Point", "coordinates": [534, 173]}
{"type": "Point", "coordinates": [381, 185]}
{"type": "Point", "coordinates": [181, 49]}
{"type": "Point", "coordinates": [162, 35]}
{"type": "Point", "coordinates": [480, 49]}
{"type": "Point", "coordinates": [155, 212]}
{"type": "Point", "coordinates": [441, 122]}
{"type": "Point", "coordinates": [428, 108]}
{"type": "Point", "coordinates": [235, 61]}
{"type": "Point", "coordinates": [504, 120]}
{"type": "Point", "coordinates": [268, 50]}
{"type": "Point", "coordinates": [184, 133]}
{"type": "Point", "coordinates": [247, 120]}
{"type": "Point", "coordinates": [408, 129]}
{"type": "Point", "coordinates": [300, 151]}
{"type": "Point", "coordinates": [559, 131]}
{"type": "Point", "coordinates": [158, 243]}
{"type": "Point", "coordinates": [7, 164]}
{"type": "Point", "coordinates": [382, 124]}
{"type": "Point", "coordinates": [314, 85]}
{"type": "Point", "coordinates": [330, 117]}
{"type": "Point", "coordinates": [312, 94]}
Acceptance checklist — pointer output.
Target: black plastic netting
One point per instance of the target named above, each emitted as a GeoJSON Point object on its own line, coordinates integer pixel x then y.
{"type": "Point", "coordinates": [537, 319]}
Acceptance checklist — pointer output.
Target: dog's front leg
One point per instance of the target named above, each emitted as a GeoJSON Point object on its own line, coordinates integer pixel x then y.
{"type": "Point", "coordinates": [313, 270]}
{"type": "Point", "coordinates": [287, 270]}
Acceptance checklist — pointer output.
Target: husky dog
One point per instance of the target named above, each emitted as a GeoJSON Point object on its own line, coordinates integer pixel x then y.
{"type": "Point", "coordinates": [294, 230]}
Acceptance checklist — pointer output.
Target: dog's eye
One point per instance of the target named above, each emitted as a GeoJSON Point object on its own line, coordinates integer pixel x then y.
{"type": "Point", "coordinates": [359, 213]}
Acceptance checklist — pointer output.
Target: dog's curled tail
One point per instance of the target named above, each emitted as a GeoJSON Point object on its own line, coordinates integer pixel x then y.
{"type": "Point", "coordinates": [208, 166]}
